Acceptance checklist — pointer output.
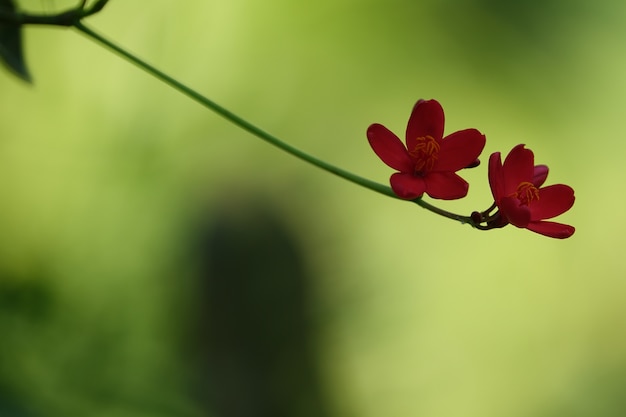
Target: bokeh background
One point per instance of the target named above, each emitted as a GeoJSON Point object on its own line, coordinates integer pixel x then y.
{"type": "Point", "coordinates": [155, 260]}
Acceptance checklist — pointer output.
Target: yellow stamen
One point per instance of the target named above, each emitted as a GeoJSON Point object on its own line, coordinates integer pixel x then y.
{"type": "Point", "coordinates": [526, 192]}
{"type": "Point", "coordinates": [425, 153]}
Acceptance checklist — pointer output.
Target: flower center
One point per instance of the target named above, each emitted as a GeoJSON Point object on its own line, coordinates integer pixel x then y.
{"type": "Point", "coordinates": [526, 192]}
{"type": "Point", "coordinates": [424, 153]}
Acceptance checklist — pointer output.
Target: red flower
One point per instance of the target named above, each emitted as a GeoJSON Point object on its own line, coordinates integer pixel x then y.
{"type": "Point", "coordinates": [429, 162]}
{"type": "Point", "coordinates": [516, 189]}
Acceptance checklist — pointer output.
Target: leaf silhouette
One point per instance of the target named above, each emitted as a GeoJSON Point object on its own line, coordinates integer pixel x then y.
{"type": "Point", "coordinates": [11, 44]}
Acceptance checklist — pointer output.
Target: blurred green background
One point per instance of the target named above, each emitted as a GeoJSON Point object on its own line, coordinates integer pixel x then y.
{"type": "Point", "coordinates": [155, 260]}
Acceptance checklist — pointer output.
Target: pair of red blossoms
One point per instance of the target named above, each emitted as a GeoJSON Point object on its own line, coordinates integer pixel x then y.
{"type": "Point", "coordinates": [429, 162]}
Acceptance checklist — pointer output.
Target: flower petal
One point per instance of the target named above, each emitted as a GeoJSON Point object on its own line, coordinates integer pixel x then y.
{"type": "Point", "coordinates": [519, 166]}
{"type": "Point", "coordinates": [516, 214]}
{"type": "Point", "coordinates": [553, 200]}
{"type": "Point", "coordinates": [426, 119]}
{"type": "Point", "coordinates": [540, 175]}
{"type": "Point", "coordinates": [552, 229]}
{"type": "Point", "coordinates": [459, 149]}
{"type": "Point", "coordinates": [496, 181]}
{"type": "Point", "coordinates": [389, 148]}
{"type": "Point", "coordinates": [407, 186]}
{"type": "Point", "coordinates": [445, 185]}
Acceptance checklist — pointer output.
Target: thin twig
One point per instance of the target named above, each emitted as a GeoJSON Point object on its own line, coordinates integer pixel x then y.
{"type": "Point", "coordinates": [66, 18]}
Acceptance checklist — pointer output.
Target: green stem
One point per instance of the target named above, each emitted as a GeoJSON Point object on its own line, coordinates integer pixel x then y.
{"type": "Point", "coordinates": [463, 219]}
{"type": "Point", "coordinates": [72, 17]}
{"type": "Point", "coordinates": [364, 182]}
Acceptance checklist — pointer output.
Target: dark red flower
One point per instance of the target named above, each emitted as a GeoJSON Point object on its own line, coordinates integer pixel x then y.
{"type": "Point", "coordinates": [521, 201]}
{"type": "Point", "coordinates": [429, 162]}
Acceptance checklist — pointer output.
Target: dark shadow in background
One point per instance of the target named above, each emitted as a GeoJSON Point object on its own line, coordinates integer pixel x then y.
{"type": "Point", "coordinates": [255, 347]}
{"type": "Point", "coordinates": [25, 303]}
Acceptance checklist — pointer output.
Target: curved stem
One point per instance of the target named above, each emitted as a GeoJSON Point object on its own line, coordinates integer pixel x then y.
{"type": "Point", "coordinates": [258, 132]}
{"type": "Point", "coordinates": [69, 17]}
{"type": "Point", "coordinates": [444, 213]}
{"type": "Point", "coordinates": [364, 182]}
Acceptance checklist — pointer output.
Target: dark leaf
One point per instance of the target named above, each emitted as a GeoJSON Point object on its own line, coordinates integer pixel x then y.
{"type": "Point", "coordinates": [11, 44]}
